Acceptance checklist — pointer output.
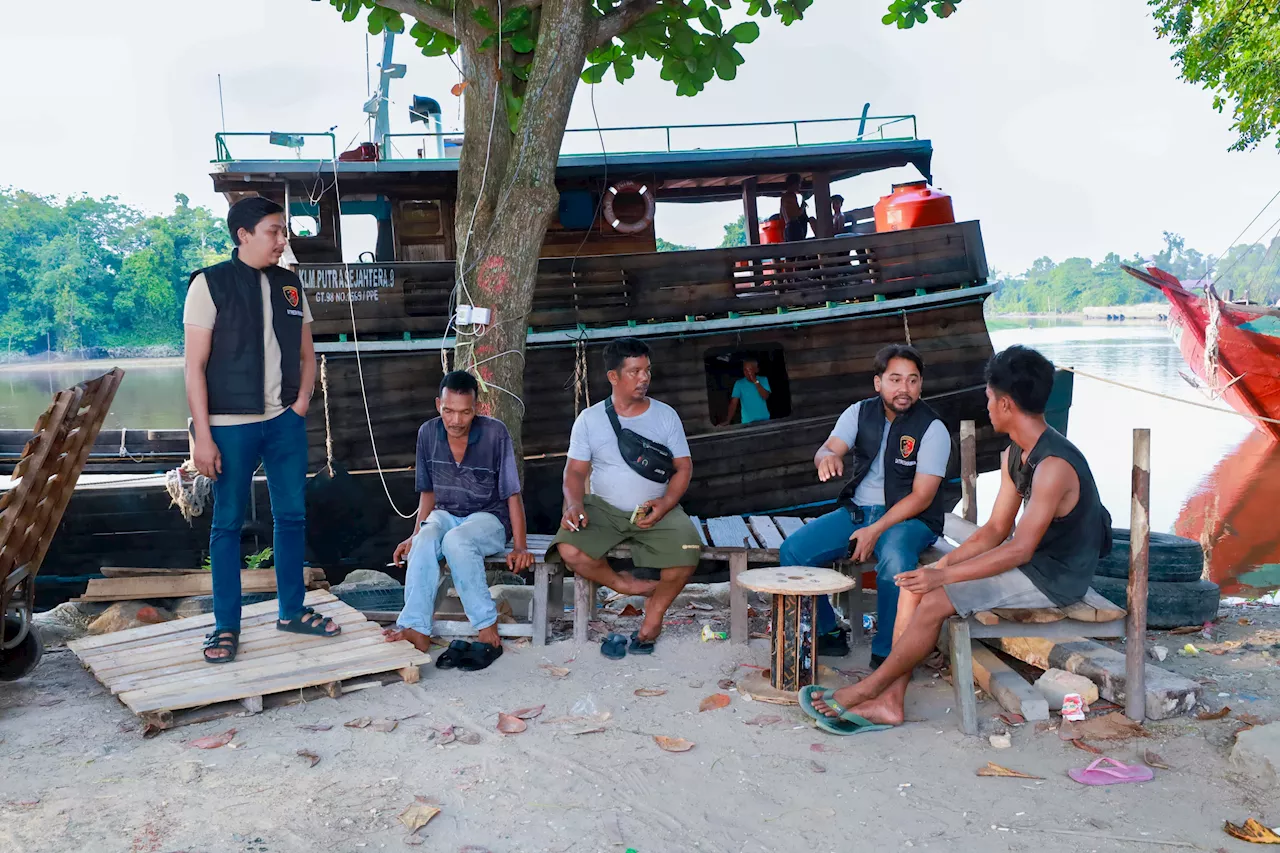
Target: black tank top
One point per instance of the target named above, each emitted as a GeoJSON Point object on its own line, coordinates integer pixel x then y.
{"type": "Point", "coordinates": [1064, 562]}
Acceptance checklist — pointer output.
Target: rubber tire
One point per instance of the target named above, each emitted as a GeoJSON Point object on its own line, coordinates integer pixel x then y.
{"type": "Point", "coordinates": [21, 660]}
{"type": "Point", "coordinates": [1171, 559]}
{"type": "Point", "coordinates": [1169, 605]}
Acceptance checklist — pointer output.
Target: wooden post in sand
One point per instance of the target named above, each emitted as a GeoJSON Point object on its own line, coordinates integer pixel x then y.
{"type": "Point", "coordinates": [1135, 629]}
{"type": "Point", "coordinates": [969, 471]}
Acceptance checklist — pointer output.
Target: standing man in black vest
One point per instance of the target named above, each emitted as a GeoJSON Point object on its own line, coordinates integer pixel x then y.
{"type": "Point", "coordinates": [250, 371]}
{"type": "Point", "coordinates": [904, 468]}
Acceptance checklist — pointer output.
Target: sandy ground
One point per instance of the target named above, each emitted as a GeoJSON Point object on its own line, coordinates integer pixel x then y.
{"type": "Point", "coordinates": [76, 774]}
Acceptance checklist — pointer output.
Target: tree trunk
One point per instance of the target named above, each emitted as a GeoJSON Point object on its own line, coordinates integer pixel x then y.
{"type": "Point", "coordinates": [506, 198]}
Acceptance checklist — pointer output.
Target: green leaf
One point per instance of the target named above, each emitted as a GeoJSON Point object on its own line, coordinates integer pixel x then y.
{"type": "Point", "coordinates": [516, 19]}
{"type": "Point", "coordinates": [515, 106]}
{"type": "Point", "coordinates": [523, 44]}
{"type": "Point", "coordinates": [521, 71]}
{"type": "Point", "coordinates": [682, 38]}
{"type": "Point", "coordinates": [595, 73]}
{"type": "Point", "coordinates": [726, 5]}
{"type": "Point", "coordinates": [710, 19]}
{"type": "Point", "coordinates": [726, 68]}
{"type": "Point", "coordinates": [482, 17]}
{"type": "Point", "coordinates": [489, 41]}
{"type": "Point", "coordinates": [697, 7]}
{"type": "Point", "coordinates": [624, 70]}
{"type": "Point", "coordinates": [746, 32]}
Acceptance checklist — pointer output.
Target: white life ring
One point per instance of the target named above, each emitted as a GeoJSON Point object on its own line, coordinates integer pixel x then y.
{"type": "Point", "coordinates": [640, 224]}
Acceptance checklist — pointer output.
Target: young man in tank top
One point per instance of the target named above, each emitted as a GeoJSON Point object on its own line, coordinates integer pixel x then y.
{"type": "Point", "coordinates": [1048, 562]}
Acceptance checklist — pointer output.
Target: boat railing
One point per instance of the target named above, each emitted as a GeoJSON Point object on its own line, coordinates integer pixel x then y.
{"type": "Point", "coordinates": [268, 145]}
{"type": "Point", "coordinates": [391, 299]}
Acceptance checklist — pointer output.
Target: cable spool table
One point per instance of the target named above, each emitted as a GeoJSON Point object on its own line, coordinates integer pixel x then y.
{"type": "Point", "coordinates": [793, 650]}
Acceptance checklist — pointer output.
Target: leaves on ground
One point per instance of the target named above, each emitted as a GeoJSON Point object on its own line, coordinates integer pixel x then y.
{"type": "Point", "coordinates": [650, 692]}
{"type": "Point", "coordinates": [213, 741]}
{"type": "Point", "coordinates": [1113, 726]}
{"type": "Point", "coordinates": [317, 727]}
{"type": "Point", "coordinates": [467, 736]}
{"type": "Point", "coordinates": [308, 755]}
{"type": "Point", "coordinates": [384, 725]}
{"type": "Point", "coordinates": [630, 610]}
{"type": "Point", "coordinates": [1204, 716]}
{"type": "Point", "coordinates": [554, 671]}
{"type": "Point", "coordinates": [418, 814]}
{"type": "Point", "coordinates": [1187, 629]}
{"type": "Point", "coordinates": [1252, 831]}
{"type": "Point", "coordinates": [764, 720]}
{"type": "Point", "coordinates": [1013, 719]}
{"type": "Point", "coordinates": [698, 605]}
{"type": "Point", "coordinates": [446, 735]}
{"type": "Point", "coordinates": [673, 744]}
{"type": "Point", "coordinates": [816, 767]}
{"type": "Point", "coordinates": [1087, 747]}
{"type": "Point", "coordinates": [590, 731]}
{"type": "Point", "coordinates": [358, 723]}
{"type": "Point", "coordinates": [993, 769]}
{"type": "Point", "coordinates": [714, 701]}
{"type": "Point", "coordinates": [821, 747]}
{"type": "Point", "coordinates": [1251, 719]}
{"type": "Point", "coordinates": [725, 684]}
{"type": "Point", "coordinates": [511, 725]}
{"type": "Point", "coordinates": [528, 713]}
{"type": "Point", "coordinates": [1154, 760]}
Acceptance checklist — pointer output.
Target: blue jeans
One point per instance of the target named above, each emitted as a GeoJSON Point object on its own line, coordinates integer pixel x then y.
{"type": "Point", "coordinates": [463, 543]}
{"type": "Point", "coordinates": [280, 444]}
{"type": "Point", "coordinates": [825, 540]}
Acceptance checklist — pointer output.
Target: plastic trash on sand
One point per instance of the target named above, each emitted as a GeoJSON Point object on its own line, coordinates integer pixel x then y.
{"type": "Point", "coordinates": [1073, 707]}
{"type": "Point", "coordinates": [708, 634]}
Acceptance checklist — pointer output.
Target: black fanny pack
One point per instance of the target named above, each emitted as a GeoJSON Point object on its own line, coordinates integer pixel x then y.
{"type": "Point", "coordinates": [649, 459]}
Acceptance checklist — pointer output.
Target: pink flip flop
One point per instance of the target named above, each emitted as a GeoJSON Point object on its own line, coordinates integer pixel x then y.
{"type": "Point", "coordinates": [1114, 775]}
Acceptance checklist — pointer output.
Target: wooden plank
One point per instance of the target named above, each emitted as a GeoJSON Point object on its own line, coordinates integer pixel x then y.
{"type": "Point", "coordinates": [730, 532]}
{"type": "Point", "coordinates": [126, 572]}
{"type": "Point", "coordinates": [766, 532]}
{"type": "Point", "coordinates": [584, 607]}
{"type": "Point", "coordinates": [179, 586]}
{"type": "Point", "coordinates": [788, 524]}
{"type": "Point", "coordinates": [962, 673]}
{"type": "Point", "coordinates": [1139, 545]}
{"type": "Point", "coordinates": [1007, 687]}
{"type": "Point", "coordinates": [739, 622]}
{"type": "Point", "coordinates": [969, 471]}
{"type": "Point", "coordinates": [538, 611]}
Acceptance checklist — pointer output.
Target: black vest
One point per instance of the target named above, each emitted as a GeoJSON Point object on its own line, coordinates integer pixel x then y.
{"type": "Point", "coordinates": [905, 434]}
{"type": "Point", "coordinates": [236, 370]}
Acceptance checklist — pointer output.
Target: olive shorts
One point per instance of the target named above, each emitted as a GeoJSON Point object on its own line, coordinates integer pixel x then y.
{"type": "Point", "coordinates": [671, 543]}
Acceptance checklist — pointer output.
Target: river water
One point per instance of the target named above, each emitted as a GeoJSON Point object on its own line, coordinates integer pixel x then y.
{"type": "Point", "coordinates": [1213, 478]}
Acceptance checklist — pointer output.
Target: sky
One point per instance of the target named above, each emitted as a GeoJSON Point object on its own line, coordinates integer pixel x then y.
{"type": "Point", "coordinates": [1063, 127]}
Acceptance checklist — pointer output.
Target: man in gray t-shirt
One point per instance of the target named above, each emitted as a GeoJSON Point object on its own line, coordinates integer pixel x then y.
{"type": "Point", "coordinates": [625, 506]}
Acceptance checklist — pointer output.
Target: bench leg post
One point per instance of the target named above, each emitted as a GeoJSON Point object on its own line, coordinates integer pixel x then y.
{"type": "Point", "coordinates": [850, 601]}
{"type": "Point", "coordinates": [584, 607]}
{"type": "Point", "coordinates": [739, 622]}
{"type": "Point", "coordinates": [538, 612]}
{"type": "Point", "coordinates": [962, 674]}
{"type": "Point", "coordinates": [555, 595]}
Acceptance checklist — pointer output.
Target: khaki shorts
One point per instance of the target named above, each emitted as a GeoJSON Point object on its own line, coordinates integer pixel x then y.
{"type": "Point", "coordinates": [671, 543]}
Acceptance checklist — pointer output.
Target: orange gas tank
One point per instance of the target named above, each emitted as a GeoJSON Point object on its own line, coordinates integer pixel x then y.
{"type": "Point", "coordinates": [771, 230]}
{"type": "Point", "coordinates": [913, 205]}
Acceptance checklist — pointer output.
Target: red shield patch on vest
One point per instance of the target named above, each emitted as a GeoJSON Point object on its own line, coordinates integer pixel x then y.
{"type": "Point", "coordinates": [906, 445]}
{"type": "Point", "coordinates": [291, 294]}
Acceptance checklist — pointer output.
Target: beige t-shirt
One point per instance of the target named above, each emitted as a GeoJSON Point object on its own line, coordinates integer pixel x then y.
{"type": "Point", "coordinates": [199, 310]}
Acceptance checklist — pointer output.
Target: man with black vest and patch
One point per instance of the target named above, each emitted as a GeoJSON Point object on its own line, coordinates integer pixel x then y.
{"type": "Point", "coordinates": [905, 471]}
{"type": "Point", "coordinates": [250, 370]}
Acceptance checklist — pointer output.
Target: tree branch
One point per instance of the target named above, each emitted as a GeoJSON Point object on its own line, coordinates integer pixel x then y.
{"type": "Point", "coordinates": [620, 20]}
{"type": "Point", "coordinates": [435, 18]}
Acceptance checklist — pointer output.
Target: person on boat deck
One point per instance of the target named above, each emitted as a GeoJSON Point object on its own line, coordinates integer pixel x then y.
{"type": "Point", "coordinates": [794, 215]}
{"type": "Point", "coordinates": [893, 505]}
{"type": "Point", "coordinates": [838, 225]}
{"type": "Point", "coordinates": [250, 370]}
{"type": "Point", "coordinates": [1048, 562]}
{"type": "Point", "coordinates": [468, 505]}
{"type": "Point", "coordinates": [750, 392]}
{"type": "Point", "coordinates": [635, 498]}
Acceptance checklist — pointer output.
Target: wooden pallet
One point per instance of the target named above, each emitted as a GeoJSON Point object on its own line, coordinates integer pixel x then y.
{"type": "Point", "coordinates": [157, 670]}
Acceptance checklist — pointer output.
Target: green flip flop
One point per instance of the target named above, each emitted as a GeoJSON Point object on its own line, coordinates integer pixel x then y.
{"type": "Point", "coordinates": [847, 723]}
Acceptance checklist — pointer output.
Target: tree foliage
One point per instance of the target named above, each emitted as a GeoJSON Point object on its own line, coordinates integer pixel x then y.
{"type": "Point", "coordinates": [666, 246]}
{"type": "Point", "coordinates": [94, 272]}
{"type": "Point", "coordinates": [735, 233]}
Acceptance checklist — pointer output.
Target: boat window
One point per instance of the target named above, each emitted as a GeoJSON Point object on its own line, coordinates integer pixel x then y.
{"type": "Point", "coordinates": [359, 238]}
{"type": "Point", "coordinates": [727, 369]}
{"type": "Point", "coordinates": [304, 226]}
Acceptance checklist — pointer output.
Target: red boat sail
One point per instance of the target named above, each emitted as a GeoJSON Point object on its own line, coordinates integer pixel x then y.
{"type": "Point", "coordinates": [1233, 348]}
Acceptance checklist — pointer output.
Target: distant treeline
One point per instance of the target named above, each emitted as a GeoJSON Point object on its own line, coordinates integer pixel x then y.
{"type": "Point", "coordinates": [88, 272]}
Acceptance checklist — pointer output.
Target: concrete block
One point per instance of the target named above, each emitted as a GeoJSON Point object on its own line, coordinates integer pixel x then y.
{"type": "Point", "coordinates": [1055, 684]}
{"type": "Point", "coordinates": [1007, 687]}
{"type": "Point", "coordinates": [1257, 754]}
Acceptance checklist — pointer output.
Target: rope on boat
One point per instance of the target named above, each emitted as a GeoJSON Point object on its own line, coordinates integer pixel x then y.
{"type": "Point", "coordinates": [189, 490]}
{"type": "Point", "coordinates": [581, 390]}
{"type": "Point", "coordinates": [328, 433]}
{"type": "Point", "coordinates": [1211, 343]}
{"type": "Point", "coordinates": [906, 328]}
{"type": "Point", "coordinates": [1219, 409]}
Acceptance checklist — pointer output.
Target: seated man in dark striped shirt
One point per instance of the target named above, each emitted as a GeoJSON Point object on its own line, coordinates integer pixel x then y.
{"type": "Point", "coordinates": [469, 503]}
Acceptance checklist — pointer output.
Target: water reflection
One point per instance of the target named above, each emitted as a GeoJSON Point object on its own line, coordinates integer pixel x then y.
{"type": "Point", "coordinates": [152, 395]}
{"type": "Point", "coordinates": [1232, 513]}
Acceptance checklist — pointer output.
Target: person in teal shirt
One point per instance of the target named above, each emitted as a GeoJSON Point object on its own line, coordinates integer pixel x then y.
{"type": "Point", "coordinates": [750, 392]}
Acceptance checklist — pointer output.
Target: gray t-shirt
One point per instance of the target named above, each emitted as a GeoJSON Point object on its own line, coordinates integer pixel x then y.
{"type": "Point", "coordinates": [931, 458]}
{"type": "Point", "coordinates": [612, 480]}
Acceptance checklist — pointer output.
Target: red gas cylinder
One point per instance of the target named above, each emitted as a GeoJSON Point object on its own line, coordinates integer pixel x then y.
{"type": "Point", "coordinates": [771, 230]}
{"type": "Point", "coordinates": [913, 205]}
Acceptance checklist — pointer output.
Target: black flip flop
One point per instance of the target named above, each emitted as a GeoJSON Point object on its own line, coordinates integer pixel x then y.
{"type": "Point", "coordinates": [452, 656]}
{"type": "Point", "coordinates": [614, 647]}
{"type": "Point", "coordinates": [639, 646]}
{"type": "Point", "coordinates": [223, 638]}
{"type": "Point", "coordinates": [315, 627]}
{"type": "Point", "coordinates": [478, 657]}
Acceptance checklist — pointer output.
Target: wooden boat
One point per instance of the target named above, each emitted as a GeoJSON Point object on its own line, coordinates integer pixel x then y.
{"type": "Point", "coordinates": [813, 313]}
{"type": "Point", "coordinates": [1234, 348]}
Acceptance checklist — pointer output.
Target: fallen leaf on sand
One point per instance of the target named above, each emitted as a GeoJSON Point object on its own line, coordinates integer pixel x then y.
{"type": "Point", "coordinates": [650, 692]}
{"type": "Point", "coordinates": [764, 720]}
{"type": "Point", "coordinates": [447, 734]}
{"type": "Point", "coordinates": [1244, 620]}
{"type": "Point", "coordinates": [673, 744]}
{"type": "Point", "coordinates": [820, 747]}
{"type": "Point", "coordinates": [466, 736]}
{"type": "Point", "coordinates": [1113, 726]}
{"type": "Point", "coordinates": [384, 725]}
{"type": "Point", "coordinates": [714, 701]}
{"type": "Point", "coordinates": [511, 725]}
{"type": "Point", "coordinates": [1013, 719]}
{"type": "Point", "coordinates": [1252, 831]}
{"type": "Point", "coordinates": [725, 684]}
{"type": "Point", "coordinates": [213, 741]}
{"type": "Point", "coordinates": [319, 727]}
{"type": "Point", "coordinates": [1214, 715]}
{"type": "Point", "coordinates": [1153, 760]}
{"type": "Point", "coordinates": [1079, 744]}
{"type": "Point", "coordinates": [528, 713]}
{"type": "Point", "coordinates": [1187, 629]}
{"type": "Point", "coordinates": [816, 767]}
{"type": "Point", "coordinates": [630, 610]}
{"type": "Point", "coordinates": [418, 814]}
{"type": "Point", "coordinates": [458, 89]}
{"type": "Point", "coordinates": [554, 671]}
{"type": "Point", "coordinates": [359, 723]}
{"type": "Point", "coordinates": [1251, 719]}
{"type": "Point", "coordinates": [698, 605]}
{"type": "Point", "coordinates": [590, 731]}
{"type": "Point", "coordinates": [309, 756]}
{"type": "Point", "coordinates": [993, 769]}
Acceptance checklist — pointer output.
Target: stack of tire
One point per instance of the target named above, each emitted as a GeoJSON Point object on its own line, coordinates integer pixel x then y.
{"type": "Point", "coordinates": [1176, 594]}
